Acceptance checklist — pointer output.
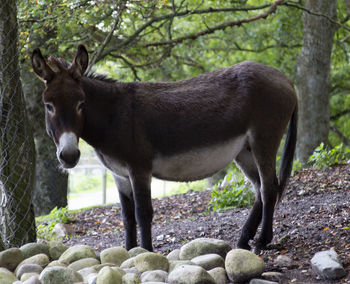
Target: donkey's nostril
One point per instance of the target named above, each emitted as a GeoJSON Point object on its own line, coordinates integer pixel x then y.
{"type": "Point", "coordinates": [70, 157]}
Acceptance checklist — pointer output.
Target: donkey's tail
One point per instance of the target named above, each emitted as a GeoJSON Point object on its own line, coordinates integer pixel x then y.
{"type": "Point", "coordinates": [288, 153]}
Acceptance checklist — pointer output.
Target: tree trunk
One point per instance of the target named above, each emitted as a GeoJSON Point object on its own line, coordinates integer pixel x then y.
{"type": "Point", "coordinates": [50, 186]}
{"type": "Point", "coordinates": [17, 154]}
{"type": "Point", "coordinates": [313, 76]}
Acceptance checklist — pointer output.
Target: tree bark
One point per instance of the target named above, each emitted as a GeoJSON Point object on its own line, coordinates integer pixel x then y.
{"type": "Point", "coordinates": [17, 154]}
{"type": "Point", "coordinates": [313, 76]}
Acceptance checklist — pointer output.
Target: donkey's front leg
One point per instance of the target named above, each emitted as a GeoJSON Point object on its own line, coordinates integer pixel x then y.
{"type": "Point", "coordinates": [128, 210]}
{"type": "Point", "coordinates": [141, 185]}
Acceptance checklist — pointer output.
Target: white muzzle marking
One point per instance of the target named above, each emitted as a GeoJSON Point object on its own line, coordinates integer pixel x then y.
{"type": "Point", "coordinates": [67, 144]}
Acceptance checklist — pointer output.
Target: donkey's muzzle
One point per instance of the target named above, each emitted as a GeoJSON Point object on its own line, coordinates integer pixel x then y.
{"type": "Point", "coordinates": [69, 159]}
{"type": "Point", "coordinates": [67, 150]}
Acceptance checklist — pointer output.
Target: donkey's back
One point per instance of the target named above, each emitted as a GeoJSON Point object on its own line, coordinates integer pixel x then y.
{"type": "Point", "coordinates": [199, 125]}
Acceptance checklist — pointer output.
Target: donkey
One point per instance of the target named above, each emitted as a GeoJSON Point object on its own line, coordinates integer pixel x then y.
{"type": "Point", "coordinates": [180, 131]}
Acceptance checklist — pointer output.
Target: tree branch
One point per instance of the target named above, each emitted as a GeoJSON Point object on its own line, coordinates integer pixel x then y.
{"type": "Point", "coordinates": [340, 114]}
{"type": "Point", "coordinates": [193, 36]}
{"type": "Point", "coordinates": [98, 53]}
{"type": "Point", "coordinates": [188, 12]}
{"type": "Point", "coordinates": [340, 135]}
{"type": "Point", "coordinates": [294, 5]}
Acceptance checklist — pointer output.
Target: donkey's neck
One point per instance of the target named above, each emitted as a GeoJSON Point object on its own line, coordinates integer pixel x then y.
{"type": "Point", "coordinates": [106, 105]}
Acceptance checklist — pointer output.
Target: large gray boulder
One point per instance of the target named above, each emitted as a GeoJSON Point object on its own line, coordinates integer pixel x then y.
{"type": "Point", "coordinates": [204, 246]}
{"type": "Point", "coordinates": [327, 265]}
{"type": "Point", "coordinates": [242, 265]}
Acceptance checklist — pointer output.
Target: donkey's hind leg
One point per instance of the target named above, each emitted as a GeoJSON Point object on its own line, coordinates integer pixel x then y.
{"type": "Point", "coordinates": [128, 210]}
{"type": "Point", "coordinates": [246, 163]}
{"type": "Point", "coordinates": [265, 159]}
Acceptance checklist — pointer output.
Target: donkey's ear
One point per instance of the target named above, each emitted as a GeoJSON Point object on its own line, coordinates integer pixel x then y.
{"type": "Point", "coordinates": [80, 62]}
{"type": "Point", "coordinates": [41, 69]}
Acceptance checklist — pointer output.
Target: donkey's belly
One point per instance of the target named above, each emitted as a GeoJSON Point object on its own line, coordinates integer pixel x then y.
{"type": "Point", "coordinates": [197, 163]}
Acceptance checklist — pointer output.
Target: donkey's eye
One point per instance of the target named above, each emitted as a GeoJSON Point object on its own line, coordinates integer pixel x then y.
{"type": "Point", "coordinates": [49, 108]}
{"type": "Point", "coordinates": [80, 106]}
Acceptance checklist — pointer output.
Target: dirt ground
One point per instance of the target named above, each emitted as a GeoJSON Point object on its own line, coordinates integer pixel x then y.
{"type": "Point", "coordinates": [313, 216]}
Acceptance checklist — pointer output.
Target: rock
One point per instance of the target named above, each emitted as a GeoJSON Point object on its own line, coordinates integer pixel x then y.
{"type": "Point", "coordinates": [175, 263]}
{"type": "Point", "coordinates": [219, 275]}
{"type": "Point", "coordinates": [6, 276]}
{"type": "Point", "coordinates": [82, 263]}
{"type": "Point", "coordinates": [77, 252]}
{"type": "Point", "coordinates": [131, 278]}
{"type": "Point", "coordinates": [204, 246]}
{"type": "Point", "coordinates": [62, 230]}
{"type": "Point", "coordinates": [32, 280]}
{"type": "Point", "coordinates": [92, 278]}
{"type": "Point", "coordinates": [119, 270]}
{"type": "Point", "coordinates": [10, 258]}
{"type": "Point", "coordinates": [27, 268]}
{"type": "Point", "coordinates": [128, 263]}
{"type": "Point", "coordinates": [190, 274]}
{"type": "Point", "coordinates": [57, 274]}
{"type": "Point", "coordinates": [154, 276]}
{"type": "Point", "coordinates": [57, 263]}
{"type": "Point", "coordinates": [108, 276]}
{"type": "Point", "coordinates": [136, 251]}
{"type": "Point", "coordinates": [116, 255]}
{"type": "Point", "coordinates": [98, 267]}
{"type": "Point", "coordinates": [242, 265]}
{"type": "Point", "coordinates": [85, 272]}
{"type": "Point", "coordinates": [31, 249]}
{"type": "Point", "coordinates": [174, 255]}
{"type": "Point", "coordinates": [272, 276]}
{"type": "Point", "coordinates": [284, 261]}
{"type": "Point", "coordinates": [131, 270]}
{"type": "Point", "coordinates": [209, 261]}
{"type": "Point", "coordinates": [27, 276]}
{"type": "Point", "coordinates": [56, 249]}
{"type": "Point", "coordinates": [326, 264]}
{"type": "Point", "coordinates": [151, 261]}
{"type": "Point", "coordinates": [40, 259]}
{"type": "Point", "coordinates": [261, 281]}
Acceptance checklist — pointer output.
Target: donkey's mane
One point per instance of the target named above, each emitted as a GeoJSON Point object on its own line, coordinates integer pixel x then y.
{"type": "Point", "coordinates": [95, 76]}
{"type": "Point", "coordinates": [62, 64]}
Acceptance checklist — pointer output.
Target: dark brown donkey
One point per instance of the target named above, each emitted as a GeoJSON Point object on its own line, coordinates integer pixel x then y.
{"type": "Point", "coordinates": [180, 131]}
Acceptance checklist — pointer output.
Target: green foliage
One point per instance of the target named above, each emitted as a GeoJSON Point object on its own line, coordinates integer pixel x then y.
{"type": "Point", "coordinates": [183, 187]}
{"type": "Point", "coordinates": [324, 157]}
{"type": "Point", "coordinates": [48, 222]}
{"type": "Point", "coordinates": [235, 194]}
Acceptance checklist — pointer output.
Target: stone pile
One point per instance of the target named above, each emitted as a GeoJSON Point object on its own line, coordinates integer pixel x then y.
{"type": "Point", "coordinates": [199, 261]}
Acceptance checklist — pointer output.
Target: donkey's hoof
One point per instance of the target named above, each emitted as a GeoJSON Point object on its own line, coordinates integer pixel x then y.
{"type": "Point", "coordinates": [244, 246]}
{"type": "Point", "coordinates": [257, 250]}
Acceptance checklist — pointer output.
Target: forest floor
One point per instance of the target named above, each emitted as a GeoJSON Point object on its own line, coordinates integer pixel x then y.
{"type": "Point", "coordinates": [313, 216]}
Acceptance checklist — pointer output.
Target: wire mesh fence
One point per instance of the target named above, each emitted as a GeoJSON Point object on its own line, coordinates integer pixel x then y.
{"type": "Point", "coordinates": [17, 155]}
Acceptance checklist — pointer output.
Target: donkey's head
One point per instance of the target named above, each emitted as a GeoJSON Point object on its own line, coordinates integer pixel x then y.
{"type": "Point", "coordinates": [64, 101]}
